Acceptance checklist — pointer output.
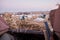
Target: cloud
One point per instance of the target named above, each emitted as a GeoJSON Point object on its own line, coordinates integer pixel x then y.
{"type": "Point", "coordinates": [23, 5]}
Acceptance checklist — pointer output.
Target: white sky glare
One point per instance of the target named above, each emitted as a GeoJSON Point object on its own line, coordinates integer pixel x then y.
{"type": "Point", "coordinates": [27, 5]}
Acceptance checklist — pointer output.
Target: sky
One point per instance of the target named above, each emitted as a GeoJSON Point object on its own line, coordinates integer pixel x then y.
{"type": "Point", "coordinates": [27, 5]}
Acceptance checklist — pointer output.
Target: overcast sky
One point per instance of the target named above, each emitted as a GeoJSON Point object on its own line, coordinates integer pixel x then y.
{"type": "Point", "coordinates": [27, 5]}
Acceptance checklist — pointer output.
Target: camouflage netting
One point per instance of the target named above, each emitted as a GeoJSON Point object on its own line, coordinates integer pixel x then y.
{"type": "Point", "coordinates": [15, 23]}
